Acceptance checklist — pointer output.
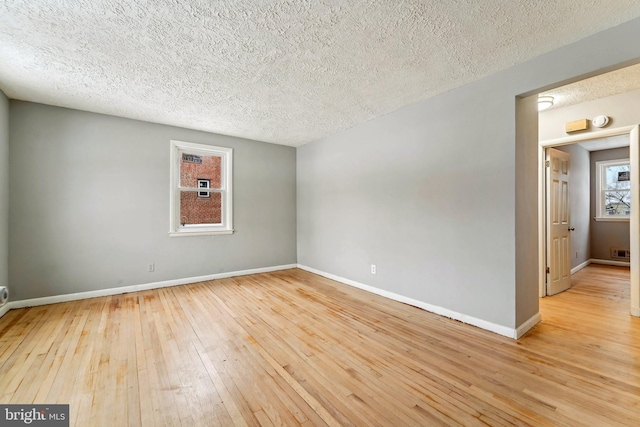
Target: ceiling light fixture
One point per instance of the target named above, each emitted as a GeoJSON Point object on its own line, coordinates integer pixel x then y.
{"type": "Point", "coordinates": [545, 102]}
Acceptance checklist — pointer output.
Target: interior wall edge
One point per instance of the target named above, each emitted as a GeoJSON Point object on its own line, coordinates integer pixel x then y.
{"type": "Point", "coordinates": [527, 325]}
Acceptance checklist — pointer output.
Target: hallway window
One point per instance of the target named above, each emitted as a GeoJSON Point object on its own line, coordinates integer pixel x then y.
{"type": "Point", "coordinates": [613, 190]}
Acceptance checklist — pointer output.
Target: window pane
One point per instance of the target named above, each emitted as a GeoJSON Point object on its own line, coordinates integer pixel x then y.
{"type": "Point", "coordinates": [618, 203]}
{"type": "Point", "coordinates": [200, 210]}
{"type": "Point", "coordinates": [618, 177]}
{"type": "Point", "coordinates": [198, 167]}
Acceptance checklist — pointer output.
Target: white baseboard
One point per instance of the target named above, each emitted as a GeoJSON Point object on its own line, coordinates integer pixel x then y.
{"type": "Point", "coordinates": [574, 270]}
{"type": "Point", "coordinates": [610, 262]}
{"type": "Point", "coordinates": [577, 268]}
{"type": "Point", "coordinates": [635, 311]}
{"type": "Point", "coordinates": [4, 309]}
{"type": "Point", "coordinates": [134, 288]}
{"type": "Point", "coordinates": [524, 328]}
{"type": "Point", "coordinates": [483, 324]}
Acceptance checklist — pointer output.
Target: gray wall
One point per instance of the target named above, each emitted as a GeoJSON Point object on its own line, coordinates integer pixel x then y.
{"type": "Point", "coordinates": [401, 193]}
{"type": "Point", "coordinates": [579, 203]}
{"type": "Point", "coordinates": [606, 235]}
{"type": "Point", "coordinates": [428, 193]}
{"type": "Point", "coordinates": [90, 204]}
{"type": "Point", "coordinates": [4, 190]}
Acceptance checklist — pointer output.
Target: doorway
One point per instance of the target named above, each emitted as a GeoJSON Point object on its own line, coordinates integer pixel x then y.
{"type": "Point", "coordinates": [633, 133]}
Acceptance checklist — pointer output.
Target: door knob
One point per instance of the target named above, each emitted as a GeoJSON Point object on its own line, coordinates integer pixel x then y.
{"type": "Point", "coordinates": [571, 228]}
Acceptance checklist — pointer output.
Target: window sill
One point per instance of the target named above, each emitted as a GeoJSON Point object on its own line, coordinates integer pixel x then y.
{"type": "Point", "coordinates": [199, 233]}
{"type": "Point", "coordinates": [612, 219]}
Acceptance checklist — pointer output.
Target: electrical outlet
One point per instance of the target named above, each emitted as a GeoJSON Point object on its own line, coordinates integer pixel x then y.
{"type": "Point", "coordinates": [373, 269]}
{"type": "Point", "coordinates": [152, 267]}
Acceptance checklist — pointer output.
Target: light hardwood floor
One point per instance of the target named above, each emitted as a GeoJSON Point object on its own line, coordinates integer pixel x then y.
{"type": "Point", "coordinates": [293, 348]}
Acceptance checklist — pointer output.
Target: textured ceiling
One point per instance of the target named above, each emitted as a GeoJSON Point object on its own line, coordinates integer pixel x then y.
{"type": "Point", "coordinates": [282, 71]}
{"type": "Point", "coordinates": [608, 84]}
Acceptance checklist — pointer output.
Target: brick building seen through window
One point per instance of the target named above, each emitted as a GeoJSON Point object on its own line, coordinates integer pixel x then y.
{"type": "Point", "coordinates": [195, 207]}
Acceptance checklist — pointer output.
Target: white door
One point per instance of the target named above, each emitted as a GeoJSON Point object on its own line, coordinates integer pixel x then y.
{"type": "Point", "coordinates": [558, 222]}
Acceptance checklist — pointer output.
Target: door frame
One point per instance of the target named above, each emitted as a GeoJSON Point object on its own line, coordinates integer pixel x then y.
{"type": "Point", "coordinates": [633, 132]}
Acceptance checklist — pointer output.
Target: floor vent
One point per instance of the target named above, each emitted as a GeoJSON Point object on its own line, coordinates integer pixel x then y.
{"type": "Point", "coordinates": [620, 253]}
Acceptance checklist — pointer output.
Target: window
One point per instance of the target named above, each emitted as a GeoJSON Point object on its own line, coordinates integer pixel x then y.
{"type": "Point", "coordinates": [203, 183]}
{"type": "Point", "coordinates": [613, 190]}
{"type": "Point", "coordinates": [201, 197]}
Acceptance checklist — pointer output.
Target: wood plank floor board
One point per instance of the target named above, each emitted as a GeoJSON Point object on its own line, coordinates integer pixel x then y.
{"type": "Point", "coordinates": [294, 348]}
{"type": "Point", "coordinates": [253, 384]}
{"type": "Point", "coordinates": [321, 389]}
{"type": "Point", "coordinates": [378, 363]}
{"type": "Point", "coordinates": [319, 365]}
{"type": "Point", "coordinates": [52, 387]}
{"type": "Point", "coordinates": [228, 413]}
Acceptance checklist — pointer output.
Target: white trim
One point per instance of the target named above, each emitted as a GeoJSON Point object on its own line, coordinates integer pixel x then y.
{"type": "Point", "coordinates": [483, 324]}
{"type": "Point", "coordinates": [601, 170]}
{"type": "Point", "coordinates": [135, 288]}
{"type": "Point", "coordinates": [524, 328]}
{"type": "Point", "coordinates": [610, 262]}
{"type": "Point", "coordinates": [634, 223]}
{"type": "Point", "coordinates": [635, 311]}
{"type": "Point", "coordinates": [567, 140]}
{"type": "Point", "coordinates": [611, 218]}
{"type": "Point", "coordinates": [577, 268]}
{"type": "Point", "coordinates": [542, 223]}
{"type": "Point", "coordinates": [199, 233]}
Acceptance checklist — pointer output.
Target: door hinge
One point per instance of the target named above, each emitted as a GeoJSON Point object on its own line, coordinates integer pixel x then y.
{"type": "Point", "coordinates": [548, 271]}
{"type": "Point", "coordinates": [546, 163]}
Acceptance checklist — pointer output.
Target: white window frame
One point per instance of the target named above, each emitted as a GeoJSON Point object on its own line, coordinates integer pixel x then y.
{"type": "Point", "coordinates": [226, 227]}
{"type": "Point", "coordinates": [601, 179]}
